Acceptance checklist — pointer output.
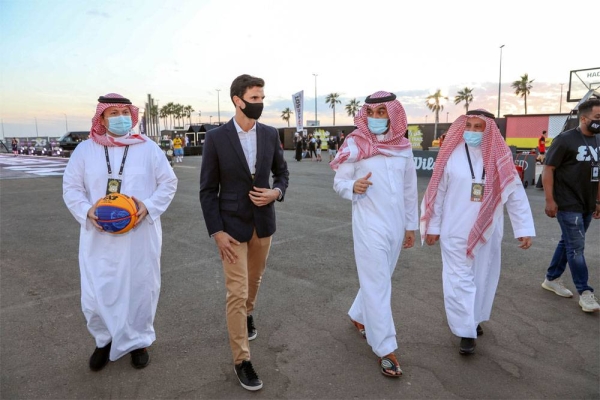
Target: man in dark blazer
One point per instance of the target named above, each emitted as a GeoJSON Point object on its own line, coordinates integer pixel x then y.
{"type": "Point", "coordinates": [238, 205]}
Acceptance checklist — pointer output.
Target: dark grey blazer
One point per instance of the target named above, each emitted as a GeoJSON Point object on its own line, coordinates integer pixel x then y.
{"type": "Point", "coordinates": [225, 181]}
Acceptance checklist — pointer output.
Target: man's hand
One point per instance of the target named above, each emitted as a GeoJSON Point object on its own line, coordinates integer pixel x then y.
{"type": "Point", "coordinates": [596, 214]}
{"type": "Point", "coordinates": [409, 240]}
{"type": "Point", "coordinates": [552, 208]}
{"type": "Point", "coordinates": [431, 239]}
{"type": "Point", "coordinates": [91, 214]}
{"type": "Point", "coordinates": [142, 210]}
{"type": "Point", "coordinates": [262, 196]}
{"type": "Point", "coordinates": [525, 242]}
{"type": "Point", "coordinates": [224, 243]}
{"type": "Point", "coordinates": [362, 184]}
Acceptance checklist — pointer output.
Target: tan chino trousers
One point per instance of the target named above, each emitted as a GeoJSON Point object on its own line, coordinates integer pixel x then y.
{"type": "Point", "coordinates": [242, 281]}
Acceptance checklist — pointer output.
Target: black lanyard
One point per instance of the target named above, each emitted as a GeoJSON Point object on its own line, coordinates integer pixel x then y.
{"type": "Point", "coordinates": [122, 161]}
{"type": "Point", "coordinates": [471, 166]}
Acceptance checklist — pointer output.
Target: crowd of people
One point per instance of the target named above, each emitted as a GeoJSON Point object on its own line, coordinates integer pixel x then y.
{"type": "Point", "coordinates": [243, 174]}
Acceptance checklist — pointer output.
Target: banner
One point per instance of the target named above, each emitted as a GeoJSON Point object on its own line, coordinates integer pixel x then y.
{"type": "Point", "coordinates": [298, 101]}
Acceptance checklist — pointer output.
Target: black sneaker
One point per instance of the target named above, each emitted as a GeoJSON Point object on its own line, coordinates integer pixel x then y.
{"type": "Point", "coordinates": [247, 376]}
{"type": "Point", "coordinates": [140, 358]}
{"type": "Point", "coordinates": [252, 332]}
{"type": "Point", "coordinates": [99, 358]}
{"type": "Point", "coordinates": [467, 346]}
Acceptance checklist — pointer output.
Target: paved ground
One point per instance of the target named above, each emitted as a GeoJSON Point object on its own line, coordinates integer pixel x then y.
{"type": "Point", "coordinates": [537, 345]}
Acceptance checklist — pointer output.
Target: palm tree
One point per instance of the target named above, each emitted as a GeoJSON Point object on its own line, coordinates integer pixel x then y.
{"type": "Point", "coordinates": [188, 110]}
{"type": "Point", "coordinates": [523, 88]}
{"type": "Point", "coordinates": [465, 95]}
{"type": "Point", "coordinates": [332, 99]}
{"type": "Point", "coordinates": [352, 107]}
{"type": "Point", "coordinates": [286, 115]}
{"type": "Point", "coordinates": [164, 114]}
{"type": "Point", "coordinates": [433, 103]}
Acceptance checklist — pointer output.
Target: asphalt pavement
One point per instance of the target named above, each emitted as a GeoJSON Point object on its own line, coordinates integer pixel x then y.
{"type": "Point", "coordinates": [536, 345]}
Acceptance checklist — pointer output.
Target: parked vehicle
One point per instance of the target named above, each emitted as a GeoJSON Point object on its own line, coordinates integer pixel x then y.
{"type": "Point", "coordinates": [70, 140]}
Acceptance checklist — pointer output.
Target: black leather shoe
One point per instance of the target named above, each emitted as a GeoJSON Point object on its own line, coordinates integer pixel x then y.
{"type": "Point", "coordinates": [467, 346]}
{"type": "Point", "coordinates": [252, 332]}
{"type": "Point", "coordinates": [140, 358]}
{"type": "Point", "coordinates": [247, 376]}
{"type": "Point", "coordinates": [99, 358]}
{"type": "Point", "coordinates": [479, 330]}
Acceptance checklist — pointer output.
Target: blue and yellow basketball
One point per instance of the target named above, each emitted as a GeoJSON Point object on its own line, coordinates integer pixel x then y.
{"type": "Point", "coordinates": [116, 213]}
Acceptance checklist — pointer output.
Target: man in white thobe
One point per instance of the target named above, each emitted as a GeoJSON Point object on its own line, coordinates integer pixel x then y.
{"type": "Point", "coordinates": [474, 177]}
{"type": "Point", "coordinates": [120, 273]}
{"type": "Point", "coordinates": [375, 170]}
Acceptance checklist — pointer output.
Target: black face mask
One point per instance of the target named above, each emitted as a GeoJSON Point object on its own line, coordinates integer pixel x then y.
{"type": "Point", "coordinates": [594, 126]}
{"type": "Point", "coordinates": [252, 110]}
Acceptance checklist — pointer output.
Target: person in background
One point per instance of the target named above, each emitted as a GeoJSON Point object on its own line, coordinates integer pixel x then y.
{"type": "Point", "coordinates": [120, 274]}
{"type": "Point", "coordinates": [375, 170]}
{"type": "Point", "coordinates": [332, 146]}
{"type": "Point", "coordinates": [542, 147]}
{"type": "Point", "coordinates": [474, 177]}
{"type": "Point", "coordinates": [15, 146]}
{"type": "Point", "coordinates": [178, 149]}
{"type": "Point", "coordinates": [318, 143]}
{"type": "Point", "coordinates": [238, 204]}
{"type": "Point", "coordinates": [570, 179]}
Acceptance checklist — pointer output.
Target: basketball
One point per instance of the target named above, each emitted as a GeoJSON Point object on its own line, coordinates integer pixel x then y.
{"type": "Point", "coordinates": [116, 213]}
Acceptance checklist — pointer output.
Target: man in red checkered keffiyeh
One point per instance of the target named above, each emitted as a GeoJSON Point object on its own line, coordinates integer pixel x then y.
{"type": "Point", "coordinates": [375, 171]}
{"type": "Point", "coordinates": [473, 178]}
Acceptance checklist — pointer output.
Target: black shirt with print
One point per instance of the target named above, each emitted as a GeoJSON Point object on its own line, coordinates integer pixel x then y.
{"type": "Point", "coordinates": [572, 154]}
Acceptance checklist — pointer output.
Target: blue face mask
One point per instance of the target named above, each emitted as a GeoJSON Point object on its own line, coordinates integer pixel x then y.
{"type": "Point", "coordinates": [120, 125]}
{"type": "Point", "coordinates": [473, 139]}
{"type": "Point", "coordinates": [377, 126]}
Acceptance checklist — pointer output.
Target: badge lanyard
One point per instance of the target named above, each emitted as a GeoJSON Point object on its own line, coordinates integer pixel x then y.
{"type": "Point", "coordinates": [595, 172]}
{"type": "Point", "coordinates": [114, 185]}
{"type": "Point", "coordinates": [476, 188]}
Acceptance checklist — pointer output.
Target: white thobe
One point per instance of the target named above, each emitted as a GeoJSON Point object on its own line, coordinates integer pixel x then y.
{"type": "Point", "coordinates": [380, 218]}
{"type": "Point", "coordinates": [120, 274]}
{"type": "Point", "coordinates": [470, 284]}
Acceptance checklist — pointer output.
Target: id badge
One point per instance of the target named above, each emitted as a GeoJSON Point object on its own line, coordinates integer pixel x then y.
{"type": "Point", "coordinates": [595, 173]}
{"type": "Point", "coordinates": [113, 186]}
{"type": "Point", "coordinates": [477, 192]}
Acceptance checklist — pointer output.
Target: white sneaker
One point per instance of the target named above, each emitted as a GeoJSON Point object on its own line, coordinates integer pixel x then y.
{"type": "Point", "coordinates": [589, 302]}
{"type": "Point", "coordinates": [557, 287]}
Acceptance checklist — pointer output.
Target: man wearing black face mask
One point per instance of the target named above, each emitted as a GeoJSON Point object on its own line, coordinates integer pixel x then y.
{"type": "Point", "coordinates": [570, 180]}
{"type": "Point", "coordinates": [239, 211]}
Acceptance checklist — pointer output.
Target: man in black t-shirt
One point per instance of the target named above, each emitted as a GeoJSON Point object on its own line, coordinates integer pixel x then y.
{"type": "Point", "coordinates": [332, 146]}
{"type": "Point", "coordinates": [570, 180]}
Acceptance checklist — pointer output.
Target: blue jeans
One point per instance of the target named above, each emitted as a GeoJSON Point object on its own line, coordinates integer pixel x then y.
{"type": "Point", "coordinates": [570, 249]}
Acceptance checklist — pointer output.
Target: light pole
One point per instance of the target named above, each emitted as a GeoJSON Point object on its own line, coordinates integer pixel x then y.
{"type": "Point", "coordinates": [199, 117]}
{"type": "Point", "coordinates": [560, 104]}
{"type": "Point", "coordinates": [316, 119]}
{"type": "Point", "coordinates": [36, 128]}
{"type": "Point", "coordinates": [447, 113]}
{"type": "Point", "coordinates": [499, 82]}
{"type": "Point", "coordinates": [219, 106]}
{"type": "Point", "coordinates": [66, 123]}
{"type": "Point", "coordinates": [426, 118]}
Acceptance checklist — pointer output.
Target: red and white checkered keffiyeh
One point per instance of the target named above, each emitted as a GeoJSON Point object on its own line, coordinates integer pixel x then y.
{"type": "Point", "coordinates": [499, 174]}
{"type": "Point", "coordinates": [98, 131]}
{"type": "Point", "coordinates": [367, 143]}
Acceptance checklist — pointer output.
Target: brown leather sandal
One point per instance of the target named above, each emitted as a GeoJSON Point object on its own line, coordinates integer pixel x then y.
{"type": "Point", "coordinates": [361, 328]}
{"type": "Point", "coordinates": [390, 366]}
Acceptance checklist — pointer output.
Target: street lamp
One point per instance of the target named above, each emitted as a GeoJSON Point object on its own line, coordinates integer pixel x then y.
{"type": "Point", "coordinates": [66, 123]}
{"type": "Point", "coordinates": [447, 113]}
{"type": "Point", "coordinates": [499, 82]}
{"type": "Point", "coordinates": [560, 104]}
{"type": "Point", "coordinates": [219, 106]}
{"type": "Point", "coordinates": [199, 117]}
{"type": "Point", "coordinates": [316, 119]}
{"type": "Point", "coordinates": [36, 128]}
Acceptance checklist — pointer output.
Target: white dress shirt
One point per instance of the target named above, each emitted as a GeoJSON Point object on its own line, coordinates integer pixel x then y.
{"type": "Point", "coordinates": [248, 141]}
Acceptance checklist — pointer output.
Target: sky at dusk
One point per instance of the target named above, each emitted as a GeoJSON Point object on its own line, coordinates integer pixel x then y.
{"type": "Point", "coordinates": [59, 56]}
